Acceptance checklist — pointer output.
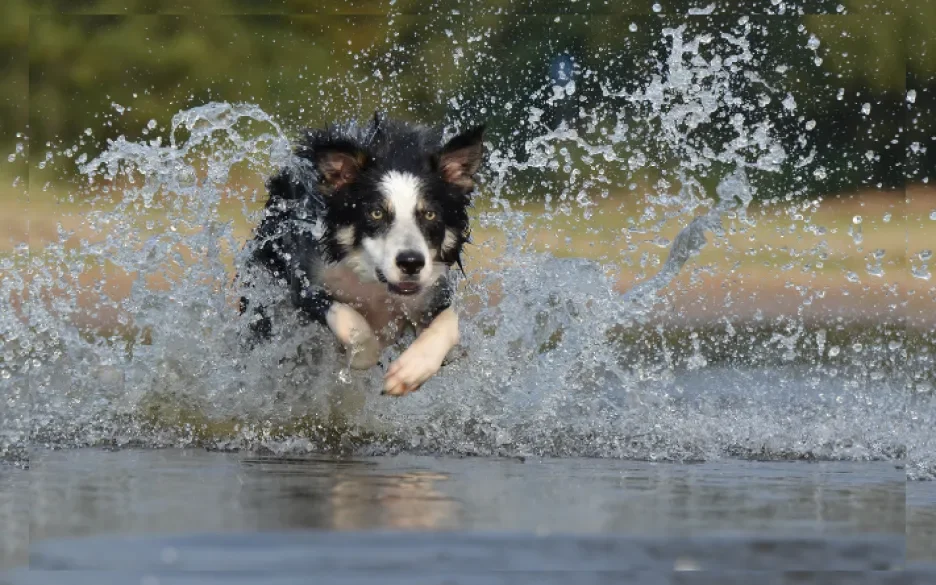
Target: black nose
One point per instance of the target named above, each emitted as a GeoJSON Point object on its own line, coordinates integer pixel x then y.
{"type": "Point", "coordinates": [410, 262]}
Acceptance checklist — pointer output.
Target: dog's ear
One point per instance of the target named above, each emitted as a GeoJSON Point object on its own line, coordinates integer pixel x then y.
{"type": "Point", "coordinates": [338, 166]}
{"type": "Point", "coordinates": [461, 158]}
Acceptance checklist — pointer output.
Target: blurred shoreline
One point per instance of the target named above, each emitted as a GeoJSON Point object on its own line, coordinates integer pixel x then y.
{"type": "Point", "coordinates": [764, 273]}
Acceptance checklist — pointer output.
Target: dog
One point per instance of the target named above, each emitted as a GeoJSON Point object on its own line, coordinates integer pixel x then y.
{"type": "Point", "coordinates": [363, 233]}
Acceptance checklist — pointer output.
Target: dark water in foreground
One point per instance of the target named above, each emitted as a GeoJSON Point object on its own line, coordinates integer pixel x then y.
{"type": "Point", "coordinates": [175, 516]}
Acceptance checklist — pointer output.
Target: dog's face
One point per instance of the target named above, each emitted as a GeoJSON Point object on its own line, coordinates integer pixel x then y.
{"type": "Point", "coordinates": [397, 206]}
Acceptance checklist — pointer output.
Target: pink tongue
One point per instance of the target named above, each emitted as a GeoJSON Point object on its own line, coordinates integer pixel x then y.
{"type": "Point", "coordinates": [407, 286]}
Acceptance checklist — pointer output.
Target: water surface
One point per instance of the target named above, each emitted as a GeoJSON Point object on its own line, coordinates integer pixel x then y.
{"type": "Point", "coordinates": [509, 514]}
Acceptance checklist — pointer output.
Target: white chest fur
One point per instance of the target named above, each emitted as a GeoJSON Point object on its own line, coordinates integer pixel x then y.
{"type": "Point", "coordinates": [387, 314]}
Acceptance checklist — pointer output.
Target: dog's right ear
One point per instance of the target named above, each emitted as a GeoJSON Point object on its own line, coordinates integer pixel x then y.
{"type": "Point", "coordinates": [338, 166]}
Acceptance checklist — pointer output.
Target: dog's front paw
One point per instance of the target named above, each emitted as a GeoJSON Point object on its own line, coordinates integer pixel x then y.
{"type": "Point", "coordinates": [365, 352]}
{"type": "Point", "coordinates": [356, 335]}
{"type": "Point", "coordinates": [416, 365]}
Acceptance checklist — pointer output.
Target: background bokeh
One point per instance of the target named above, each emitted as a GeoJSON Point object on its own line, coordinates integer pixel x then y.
{"type": "Point", "coordinates": [64, 62]}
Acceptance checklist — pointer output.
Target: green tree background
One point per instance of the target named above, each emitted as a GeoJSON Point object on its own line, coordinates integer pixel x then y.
{"type": "Point", "coordinates": [64, 62]}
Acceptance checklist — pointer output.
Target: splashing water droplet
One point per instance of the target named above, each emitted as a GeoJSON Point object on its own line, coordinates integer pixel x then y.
{"type": "Point", "coordinates": [921, 271]}
{"type": "Point", "coordinates": [344, 375]}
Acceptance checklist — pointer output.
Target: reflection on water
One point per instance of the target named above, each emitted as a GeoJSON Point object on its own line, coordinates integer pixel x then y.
{"type": "Point", "coordinates": [343, 495]}
{"type": "Point", "coordinates": [407, 500]}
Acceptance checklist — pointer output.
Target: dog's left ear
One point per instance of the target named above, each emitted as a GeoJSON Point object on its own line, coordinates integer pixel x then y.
{"type": "Point", "coordinates": [461, 158]}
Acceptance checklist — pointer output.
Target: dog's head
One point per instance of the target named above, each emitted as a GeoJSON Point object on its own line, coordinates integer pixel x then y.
{"type": "Point", "coordinates": [397, 198]}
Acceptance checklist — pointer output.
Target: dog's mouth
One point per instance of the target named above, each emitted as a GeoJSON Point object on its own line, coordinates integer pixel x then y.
{"type": "Point", "coordinates": [404, 288]}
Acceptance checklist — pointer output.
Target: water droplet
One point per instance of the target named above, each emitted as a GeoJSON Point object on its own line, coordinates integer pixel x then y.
{"type": "Point", "coordinates": [834, 351]}
{"type": "Point", "coordinates": [911, 96]}
{"type": "Point", "coordinates": [856, 220]}
{"type": "Point", "coordinates": [657, 7]}
{"type": "Point", "coordinates": [866, 109]}
{"type": "Point", "coordinates": [633, 27]}
{"type": "Point", "coordinates": [932, 215]}
{"type": "Point", "coordinates": [637, 160]}
{"type": "Point", "coordinates": [813, 42]}
{"type": "Point", "coordinates": [852, 277]}
{"type": "Point", "coordinates": [876, 271]}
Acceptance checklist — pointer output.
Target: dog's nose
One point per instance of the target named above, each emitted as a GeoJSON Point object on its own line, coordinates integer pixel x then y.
{"type": "Point", "coordinates": [410, 262]}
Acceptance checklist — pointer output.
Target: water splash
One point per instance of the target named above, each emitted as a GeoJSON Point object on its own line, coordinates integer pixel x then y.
{"type": "Point", "coordinates": [556, 362]}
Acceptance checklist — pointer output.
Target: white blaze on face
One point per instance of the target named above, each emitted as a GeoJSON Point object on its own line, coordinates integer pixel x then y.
{"type": "Point", "coordinates": [402, 193]}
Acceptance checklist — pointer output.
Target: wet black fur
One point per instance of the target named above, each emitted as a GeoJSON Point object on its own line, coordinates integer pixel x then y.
{"type": "Point", "coordinates": [299, 197]}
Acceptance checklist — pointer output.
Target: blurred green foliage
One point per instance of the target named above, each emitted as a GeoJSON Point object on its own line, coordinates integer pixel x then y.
{"type": "Point", "coordinates": [65, 62]}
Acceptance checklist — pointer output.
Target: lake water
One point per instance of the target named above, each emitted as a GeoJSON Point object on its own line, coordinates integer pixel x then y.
{"type": "Point", "coordinates": [193, 516]}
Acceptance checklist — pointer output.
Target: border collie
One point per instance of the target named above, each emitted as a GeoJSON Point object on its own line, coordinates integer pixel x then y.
{"type": "Point", "coordinates": [363, 233]}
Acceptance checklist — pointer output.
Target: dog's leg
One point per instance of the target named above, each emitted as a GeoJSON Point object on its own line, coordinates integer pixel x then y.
{"type": "Point", "coordinates": [424, 357]}
{"type": "Point", "coordinates": [353, 331]}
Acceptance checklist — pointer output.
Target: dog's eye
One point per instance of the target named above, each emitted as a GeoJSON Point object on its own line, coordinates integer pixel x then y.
{"type": "Point", "coordinates": [377, 213]}
{"type": "Point", "coordinates": [430, 215]}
